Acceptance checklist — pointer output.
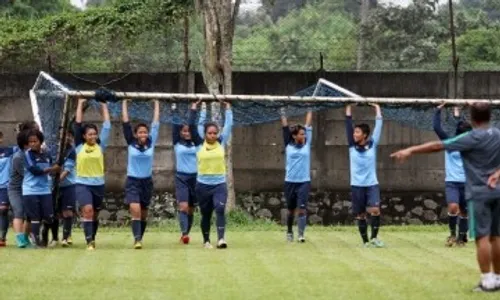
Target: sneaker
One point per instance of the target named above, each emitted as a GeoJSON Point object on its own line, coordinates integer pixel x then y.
{"type": "Point", "coordinates": [377, 243]}
{"type": "Point", "coordinates": [367, 245]}
{"type": "Point", "coordinates": [138, 245]}
{"type": "Point", "coordinates": [53, 244]}
{"type": "Point", "coordinates": [91, 246]}
{"type": "Point", "coordinates": [185, 239]}
{"type": "Point", "coordinates": [450, 241]}
{"type": "Point", "coordinates": [289, 237]}
{"type": "Point", "coordinates": [3, 243]}
{"type": "Point", "coordinates": [301, 239]}
{"type": "Point", "coordinates": [70, 241]}
{"type": "Point", "coordinates": [221, 244]}
{"type": "Point", "coordinates": [65, 244]}
{"type": "Point", "coordinates": [207, 245]}
{"type": "Point", "coordinates": [480, 288]}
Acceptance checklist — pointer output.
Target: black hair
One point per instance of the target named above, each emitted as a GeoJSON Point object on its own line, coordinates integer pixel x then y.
{"type": "Point", "coordinates": [210, 124]}
{"type": "Point", "coordinates": [1, 134]}
{"type": "Point", "coordinates": [365, 128]}
{"type": "Point", "coordinates": [294, 130]}
{"type": "Point", "coordinates": [34, 132]}
{"type": "Point", "coordinates": [87, 127]}
{"type": "Point", "coordinates": [462, 127]}
{"type": "Point", "coordinates": [27, 125]}
{"type": "Point", "coordinates": [136, 128]}
{"type": "Point", "coordinates": [480, 112]}
{"type": "Point", "coordinates": [22, 141]}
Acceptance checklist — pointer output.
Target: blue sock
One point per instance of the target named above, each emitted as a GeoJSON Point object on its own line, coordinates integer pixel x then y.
{"type": "Point", "coordinates": [363, 230]}
{"type": "Point", "coordinates": [183, 222]}
{"type": "Point", "coordinates": [136, 230]}
{"type": "Point", "coordinates": [144, 224]}
{"type": "Point", "coordinates": [35, 230]}
{"type": "Point", "coordinates": [88, 230]}
{"type": "Point", "coordinates": [375, 224]}
{"type": "Point", "coordinates": [4, 223]}
{"type": "Point", "coordinates": [463, 227]}
{"type": "Point", "coordinates": [301, 223]}
{"type": "Point", "coordinates": [95, 226]}
{"type": "Point", "coordinates": [190, 222]}
{"type": "Point", "coordinates": [67, 226]}
{"type": "Point", "coordinates": [452, 224]}
{"type": "Point", "coordinates": [220, 222]}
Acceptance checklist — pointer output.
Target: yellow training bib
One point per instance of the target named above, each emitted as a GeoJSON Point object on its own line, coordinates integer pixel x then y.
{"type": "Point", "coordinates": [90, 161]}
{"type": "Point", "coordinates": [211, 159]}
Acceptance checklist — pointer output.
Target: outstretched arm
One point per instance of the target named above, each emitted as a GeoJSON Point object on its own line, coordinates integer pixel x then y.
{"type": "Point", "coordinates": [197, 140]}
{"type": "Point", "coordinates": [125, 118]}
{"type": "Point", "coordinates": [436, 124]}
{"type": "Point", "coordinates": [106, 126]}
{"type": "Point", "coordinates": [308, 126]}
{"type": "Point", "coordinates": [127, 129]}
{"type": "Point", "coordinates": [78, 122]}
{"type": "Point", "coordinates": [430, 147]}
{"type": "Point", "coordinates": [348, 125]}
{"type": "Point", "coordinates": [201, 121]}
{"type": "Point", "coordinates": [377, 132]}
{"type": "Point", "coordinates": [309, 117]}
{"type": "Point", "coordinates": [228, 124]}
{"type": "Point", "coordinates": [79, 110]}
{"type": "Point", "coordinates": [155, 125]}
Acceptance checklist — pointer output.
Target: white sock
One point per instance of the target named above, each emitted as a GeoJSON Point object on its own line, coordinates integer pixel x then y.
{"type": "Point", "coordinates": [488, 280]}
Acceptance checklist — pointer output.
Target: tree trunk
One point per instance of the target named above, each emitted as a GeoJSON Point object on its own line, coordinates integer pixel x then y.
{"type": "Point", "coordinates": [363, 12]}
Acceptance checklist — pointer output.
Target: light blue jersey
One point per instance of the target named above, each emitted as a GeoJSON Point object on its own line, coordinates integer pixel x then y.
{"type": "Point", "coordinates": [140, 157]}
{"type": "Point", "coordinates": [298, 159]}
{"type": "Point", "coordinates": [363, 158]}
{"type": "Point", "coordinates": [36, 181]}
{"type": "Point", "coordinates": [185, 150]}
{"type": "Point", "coordinates": [5, 163]}
{"type": "Point", "coordinates": [454, 167]}
{"type": "Point", "coordinates": [69, 166]}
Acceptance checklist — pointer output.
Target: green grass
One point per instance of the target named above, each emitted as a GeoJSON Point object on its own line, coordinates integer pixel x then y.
{"type": "Point", "coordinates": [257, 265]}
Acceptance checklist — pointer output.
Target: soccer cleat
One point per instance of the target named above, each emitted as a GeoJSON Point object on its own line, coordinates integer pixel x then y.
{"type": "Point", "coordinates": [138, 245]}
{"type": "Point", "coordinates": [185, 239]}
{"type": "Point", "coordinates": [91, 246]}
{"type": "Point", "coordinates": [301, 239]}
{"type": "Point", "coordinates": [53, 244]}
{"type": "Point", "coordinates": [221, 244]}
{"type": "Point", "coordinates": [207, 245]}
{"type": "Point", "coordinates": [65, 244]}
{"type": "Point", "coordinates": [450, 241]}
{"type": "Point", "coordinates": [3, 243]}
{"type": "Point", "coordinates": [70, 241]}
{"type": "Point", "coordinates": [377, 243]}
{"type": "Point", "coordinates": [480, 288]}
{"type": "Point", "coordinates": [289, 237]}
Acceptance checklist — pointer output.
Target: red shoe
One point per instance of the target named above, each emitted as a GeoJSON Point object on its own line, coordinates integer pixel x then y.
{"type": "Point", "coordinates": [3, 243]}
{"type": "Point", "coordinates": [185, 239]}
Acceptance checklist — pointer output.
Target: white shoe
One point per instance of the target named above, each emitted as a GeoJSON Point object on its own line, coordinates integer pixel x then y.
{"type": "Point", "coordinates": [207, 245]}
{"type": "Point", "coordinates": [53, 244]}
{"type": "Point", "coordinates": [221, 244]}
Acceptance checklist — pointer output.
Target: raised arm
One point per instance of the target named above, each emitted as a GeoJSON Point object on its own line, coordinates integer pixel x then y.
{"type": "Point", "coordinates": [228, 124]}
{"type": "Point", "coordinates": [377, 132]}
{"type": "Point", "coordinates": [348, 125]}
{"type": "Point", "coordinates": [308, 126]}
{"type": "Point", "coordinates": [176, 128]}
{"type": "Point", "coordinates": [79, 110]}
{"type": "Point", "coordinates": [195, 136]}
{"type": "Point", "coordinates": [106, 126]}
{"type": "Point", "coordinates": [127, 128]}
{"type": "Point", "coordinates": [77, 127]}
{"type": "Point", "coordinates": [436, 124]}
{"type": "Point", "coordinates": [125, 118]}
{"type": "Point", "coordinates": [201, 121]}
{"type": "Point", "coordinates": [155, 125]}
{"type": "Point", "coordinates": [309, 117]}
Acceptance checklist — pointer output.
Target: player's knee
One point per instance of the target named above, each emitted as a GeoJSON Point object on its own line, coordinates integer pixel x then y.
{"type": "Point", "coordinates": [361, 216]}
{"type": "Point", "coordinates": [183, 207]}
{"type": "Point", "coordinates": [88, 212]}
{"type": "Point", "coordinates": [190, 210]}
{"type": "Point", "coordinates": [144, 214]}
{"type": "Point", "coordinates": [453, 209]}
{"type": "Point", "coordinates": [67, 214]}
{"type": "Point", "coordinates": [220, 209]}
{"type": "Point", "coordinates": [4, 211]}
{"type": "Point", "coordinates": [301, 212]}
{"type": "Point", "coordinates": [374, 211]}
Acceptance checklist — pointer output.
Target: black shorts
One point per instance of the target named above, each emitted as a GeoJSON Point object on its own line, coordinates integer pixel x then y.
{"type": "Point", "coordinates": [185, 186]}
{"type": "Point", "coordinates": [297, 194]}
{"type": "Point", "coordinates": [38, 207]}
{"type": "Point", "coordinates": [484, 218]}
{"type": "Point", "coordinates": [363, 197]}
{"type": "Point", "coordinates": [139, 190]}
{"type": "Point", "coordinates": [455, 193]}
{"type": "Point", "coordinates": [90, 195]}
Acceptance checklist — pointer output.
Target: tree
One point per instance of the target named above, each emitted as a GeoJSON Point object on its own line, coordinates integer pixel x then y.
{"type": "Point", "coordinates": [33, 8]}
{"type": "Point", "coordinates": [219, 18]}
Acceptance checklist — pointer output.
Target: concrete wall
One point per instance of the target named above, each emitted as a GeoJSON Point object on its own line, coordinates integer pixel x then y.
{"type": "Point", "coordinates": [258, 157]}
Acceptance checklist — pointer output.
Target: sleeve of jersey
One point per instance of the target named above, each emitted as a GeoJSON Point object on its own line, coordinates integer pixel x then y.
{"type": "Point", "coordinates": [228, 126]}
{"type": "Point", "coordinates": [155, 131]}
{"type": "Point", "coordinates": [309, 135]}
{"type": "Point", "coordinates": [31, 164]}
{"type": "Point", "coordinates": [349, 131]}
{"type": "Point", "coordinates": [127, 133]}
{"type": "Point", "coordinates": [69, 164]}
{"type": "Point", "coordinates": [377, 132]}
{"type": "Point", "coordinates": [201, 123]}
{"type": "Point", "coordinates": [463, 142]}
{"type": "Point", "coordinates": [436, 124]}
{"type": "Point", "coordinates": [193, 128]}
{"type": "Point", "coordinates": [77, 127]}
{"type": "Point", "coordinates": [286, 135]}
{"type": "Point", "coordinates": [18, 165]}
{"type": "Point", "coordinates": [104, 136]}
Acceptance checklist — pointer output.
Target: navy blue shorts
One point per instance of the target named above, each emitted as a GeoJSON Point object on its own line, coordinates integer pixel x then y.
{"type": "Point", "coordinates": [139, 190]}
{"type": "Point", "coordinates": [211, 197]}
{"type": "Point", "coordinates": [185, 186]}
{"type": "Point", "coordinates": [67, 198]}
{"type": "Point", "coordinates": [90, 195]}
{"type": "Point", "coordinates": [297, 194]}
{"type": "Point", "coordinates": [4, 197]}
{"type": "Point", "coordinates": [455, 193]}
{"type": "Point", "coordinates": [38, 207]}
{"type": "Point", "coordinates": [363, 197]}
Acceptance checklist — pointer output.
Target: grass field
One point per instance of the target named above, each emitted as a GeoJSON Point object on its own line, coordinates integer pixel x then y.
{"type": "Point", "coordinates": [257, 265]}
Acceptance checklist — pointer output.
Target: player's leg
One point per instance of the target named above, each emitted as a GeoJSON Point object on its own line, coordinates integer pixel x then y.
{"type": "Point", "coordinates": [359, 203]}
{"type": "Point", "coordinates": [145, 197]}
{"type": "Point", "coordinates": [132, 198]}
{"type": "Point", "coordinates": [373, 203]}
{"type": "Point", "coordinates": [87, 213]}
{"type": "Point", "coordinates": [192, 202]}
{"type": "Point", "coordinates": [219, 199]}
{"type": "Point", "coordinates": [97, 198]}
{"type": "Point", "coordinates": [463, 218]}
{"type": "Point", "coordinates": [16, 203]}
{"type": "Point", "coordinates": [495, 241]}
{"type": "Point", "coordinates": [302, 192]}
{"type": "Point", "coordinates": [68, 204]}
{"type": "Point", "coordinates": [182, 197]}
{"type": "Point", "coordinates": [4, 216]}
{"type": "Point", "coordinates": [291, 203]}
{"type": "Point", "coordinates": [47, 211]}
{"type": "Point", "coordinates": [480, 214]}
{"type": "Point", "coordinates": [204, 196]}
{"type": "Point", "coordinates": [32, 208]}
{"type": "Point", "coordinates": [452, 193]}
